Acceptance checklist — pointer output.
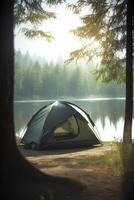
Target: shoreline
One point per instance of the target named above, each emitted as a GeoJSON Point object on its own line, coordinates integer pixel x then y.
{"type": "Point", "coordinates": [69, 99]}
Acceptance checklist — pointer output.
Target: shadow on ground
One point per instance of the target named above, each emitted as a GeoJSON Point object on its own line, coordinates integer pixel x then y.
{"type": "Point", "coordinates": [56, 151]}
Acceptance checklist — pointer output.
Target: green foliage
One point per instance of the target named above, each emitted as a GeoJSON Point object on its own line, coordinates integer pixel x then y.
{"type": "Point", "coordinates": [31, 11]}
{"type": "Point", "coordinates": [105, 23]}
{"type": "Point", "coordinates": [31, 33]}
{"type": "Point", "coordinates": [113, 72]}
{"type": "Point", "coordinates": [29, 14]}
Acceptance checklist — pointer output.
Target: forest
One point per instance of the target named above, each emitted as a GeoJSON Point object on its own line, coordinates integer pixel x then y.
{"type": "Point", "coordinates": [112, 24]}
{"type": "Point", "coordinates": [36, 78]}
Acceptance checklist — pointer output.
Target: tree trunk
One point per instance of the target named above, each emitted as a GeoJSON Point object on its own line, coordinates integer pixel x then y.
{"type": "Point", "coordinates": [127, 134]}
{"type": "Point", "coordinates": [6, 79]}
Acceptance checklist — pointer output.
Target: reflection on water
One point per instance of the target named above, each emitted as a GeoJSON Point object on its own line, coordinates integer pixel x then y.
{"type": "Point", "coordinates": [108, 114]}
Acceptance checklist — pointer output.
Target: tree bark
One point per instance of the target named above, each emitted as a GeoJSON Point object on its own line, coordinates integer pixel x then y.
{"type": "Point", "coordinates": [127, 134]}
{"type": "Point", "coordinates": [6, 79]}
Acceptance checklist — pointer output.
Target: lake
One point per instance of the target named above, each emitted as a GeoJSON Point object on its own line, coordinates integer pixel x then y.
{"type": "Point", "coordinates": [107, 114]}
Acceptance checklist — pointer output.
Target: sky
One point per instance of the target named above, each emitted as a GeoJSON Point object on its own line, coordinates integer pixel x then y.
{"type": "Point", "coordinates": [63, 43]}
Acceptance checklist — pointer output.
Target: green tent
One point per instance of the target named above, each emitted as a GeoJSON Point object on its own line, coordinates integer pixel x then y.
{"type": "Point", "coordinates": [60, 124]}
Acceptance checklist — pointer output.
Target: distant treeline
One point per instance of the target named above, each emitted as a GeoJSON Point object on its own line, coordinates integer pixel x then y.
{"type": "Point", "coordinates": [35, 78]}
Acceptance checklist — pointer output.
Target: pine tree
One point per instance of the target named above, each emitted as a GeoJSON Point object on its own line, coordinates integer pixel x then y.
{"type": "Point", "coordinates": [107, 32]}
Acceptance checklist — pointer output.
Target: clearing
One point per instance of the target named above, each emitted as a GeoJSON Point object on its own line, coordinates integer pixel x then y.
{"type": "Point", "coordinates": [99, 168]}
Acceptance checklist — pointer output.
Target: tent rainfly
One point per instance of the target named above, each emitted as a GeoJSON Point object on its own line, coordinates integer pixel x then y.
{"type": "Point", "coordinates": [60, 124]}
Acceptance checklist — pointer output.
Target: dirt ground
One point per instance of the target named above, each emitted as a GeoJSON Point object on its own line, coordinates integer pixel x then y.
{"type": "Point", "coordinates": [83, 165]}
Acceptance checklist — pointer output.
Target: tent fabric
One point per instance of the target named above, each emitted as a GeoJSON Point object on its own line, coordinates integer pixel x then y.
{"type": "Point", "coordinates": [60, 124]}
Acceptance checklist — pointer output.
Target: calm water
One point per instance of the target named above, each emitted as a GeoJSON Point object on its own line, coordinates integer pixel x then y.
{"type": "Point", "coordinates": [108, 115]}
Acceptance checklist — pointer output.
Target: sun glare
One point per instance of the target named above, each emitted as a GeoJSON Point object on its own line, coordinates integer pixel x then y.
{"type": "Point", "coordinates": [63, 42]}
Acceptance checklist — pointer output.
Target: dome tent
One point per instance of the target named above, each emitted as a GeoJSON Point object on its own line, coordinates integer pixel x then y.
{"type": "Point", "coordinates": [60, 124]}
